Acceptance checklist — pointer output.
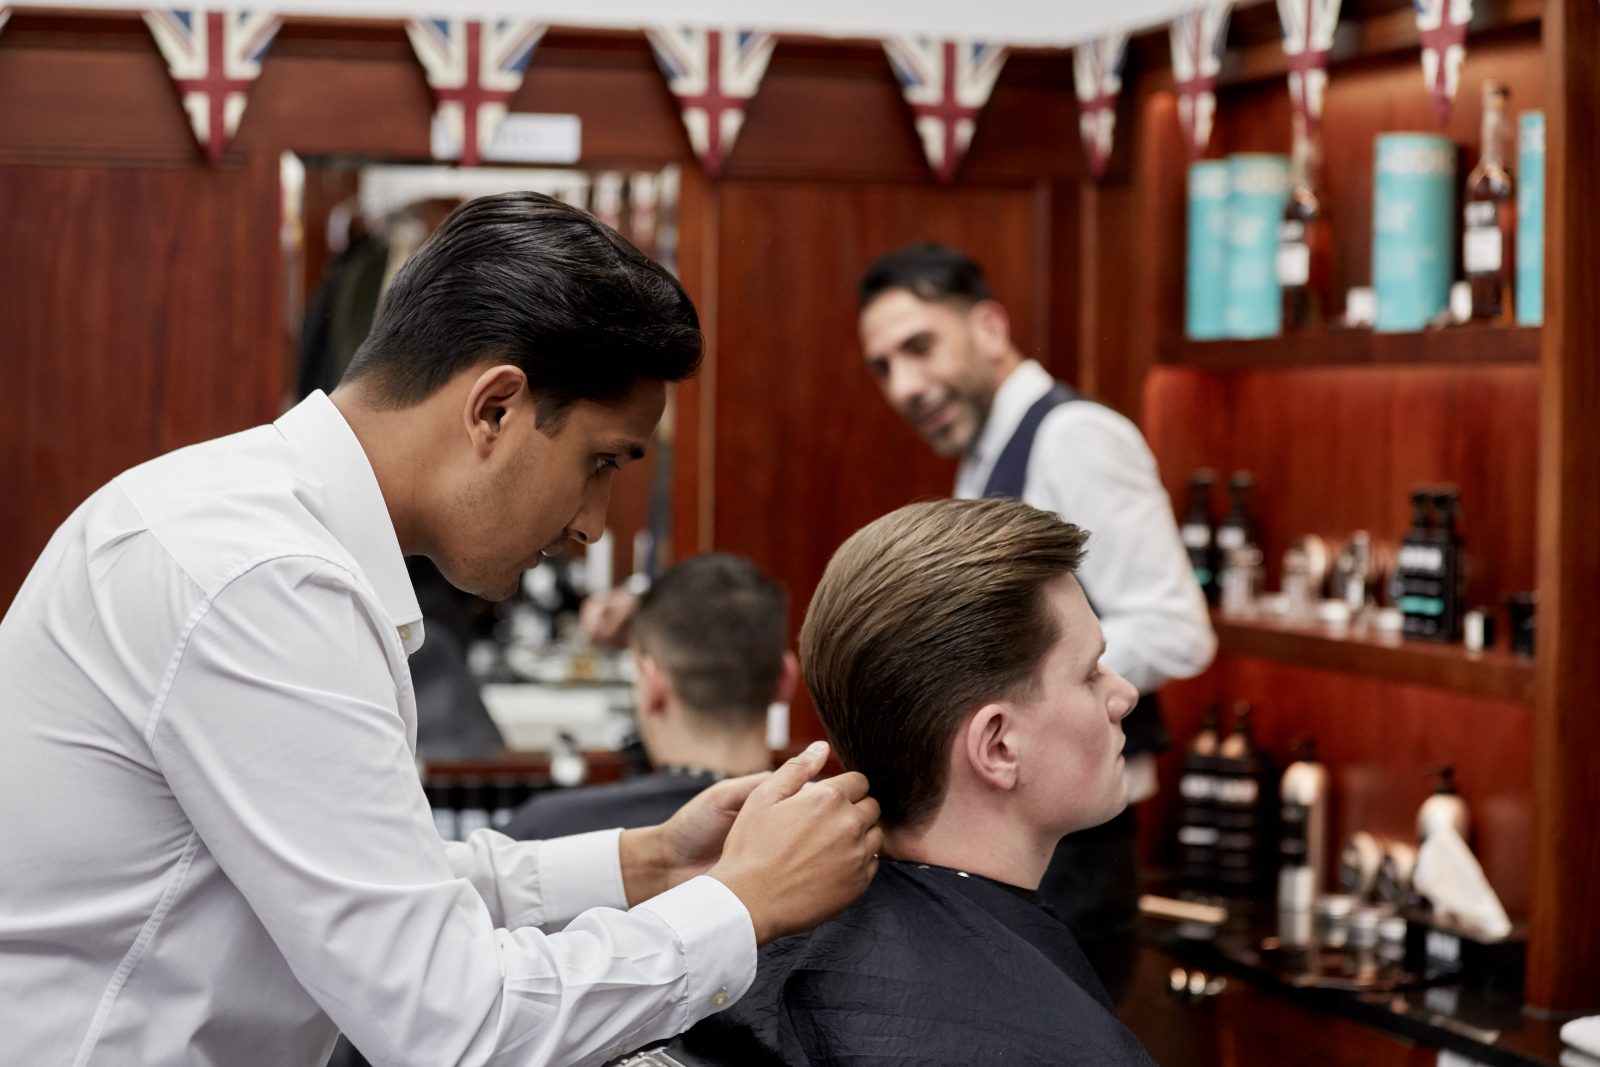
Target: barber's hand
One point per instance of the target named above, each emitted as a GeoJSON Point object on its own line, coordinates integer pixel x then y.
{"type": "Point", "coordinates": [605, 617]}
{"type": "Point", "coordinates": [799, 853]}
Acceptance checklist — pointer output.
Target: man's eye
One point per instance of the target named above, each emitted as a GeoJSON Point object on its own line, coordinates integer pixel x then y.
{"type": "Point", "coordinates": [606, 463]}
{"type": "Point", "coordinates": [1095, 675]}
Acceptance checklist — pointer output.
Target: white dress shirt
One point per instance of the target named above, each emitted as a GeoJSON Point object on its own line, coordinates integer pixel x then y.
{"type": "Point", "coordinates": [215, 849]}
{"type": "Point", "coordinates": [1092, 467]}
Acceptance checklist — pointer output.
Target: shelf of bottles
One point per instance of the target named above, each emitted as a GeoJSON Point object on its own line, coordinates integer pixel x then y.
{"type": "Point", "coordinates": [1258, 284]}
{"type": "Point", "coordinates": [1491, 674]}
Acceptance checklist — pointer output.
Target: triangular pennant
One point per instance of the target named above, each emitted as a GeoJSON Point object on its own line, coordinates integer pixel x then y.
{"type": "Point", "coordinates": [5, 13]}
{"type": "Point", "coordinates": [213, 56]}
{"type": "Point", "coordinates": [714, 74]}
{"type": "Point", "coordinates": [1097, 78]}
{"type": "Point", "coordinates": [1442, 24]}
{"type": "Point", "coordinates": [1308, 28]}
{"type": "Point", "coordinates": [474, 68]}
{"type": "Point", "coordinates": [946, 83]}
{"type": "Point", "coordinates": [1197, 40]}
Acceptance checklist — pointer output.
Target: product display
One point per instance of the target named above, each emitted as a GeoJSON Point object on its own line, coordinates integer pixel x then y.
{"type": "Point", "coordinates": [1489, 211]}
{"type": "Point", "coordinates": [1200, 534]}
{"type": "Point", "coordinates": [1530, 219]}
{"type": "Point", "coordinates": [1206, 272]}
{"type": "Point", "coordinates": [1413, 228]}
{"type": "Point", "coordinates": [1257, 186]}
{"type": "Point", "coordinates": [1305, 241]}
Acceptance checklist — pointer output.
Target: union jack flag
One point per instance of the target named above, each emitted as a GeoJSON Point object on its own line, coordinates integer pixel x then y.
{"type": "Point", "coordinates": [473, 68]}
{"type": "Point", "coordinates": [1197, 40]}
{"type": "Point", "coordinates": [1097, 78]}
{"type": "Point", "coordinates": [1308, 28]}
{"type": "Point", "coordinates": [213, 56]}
{"type": "Point", "coordinates": [1442, 25]}
{"type": "Point", "coordinates": [946, 83]}
{"type": "Point", "coordinates": [714, 74]}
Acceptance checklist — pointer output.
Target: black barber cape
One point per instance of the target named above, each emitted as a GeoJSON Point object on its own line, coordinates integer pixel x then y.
{"type": "Point", "coordinates": [930, 967]}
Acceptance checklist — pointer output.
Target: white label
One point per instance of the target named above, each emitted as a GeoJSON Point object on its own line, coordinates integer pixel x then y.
{"type": "Point", "coordinates": [1198, 836]}
{"type": "Point", "coordinates": [1241, 792]}
{"type": "Point", "coordinates": [1424, 558]}
{"type": "Point", "coordinates": [1196, 535]}
{"type": "Point", "coordinates": [1443, 947]}
{"type": "Point", "coordinates": [530, 138]}
{"type": "Point", "coordinates": [1481, 250]}
{"type": "Point", "coordinates": [1294, 265]}
{"type": "Point", "coordinates": [1230, 537]}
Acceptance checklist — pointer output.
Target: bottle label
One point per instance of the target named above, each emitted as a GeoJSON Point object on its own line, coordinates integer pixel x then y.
{"type": "Point", "coordinates": [1294, 264]}
{"type": "Point", "coordinates": [1230, 537]}
{"type": "Point", "coordinates": [1481, 248]}
{"type": "Point", "coordinates": [1196, 535]}
{"type": "Point", "coordinates": [1424, 558]}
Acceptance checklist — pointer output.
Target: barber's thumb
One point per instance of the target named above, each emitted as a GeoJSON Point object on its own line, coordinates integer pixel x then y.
{"type": "Point", "coordinates": [788, 780]}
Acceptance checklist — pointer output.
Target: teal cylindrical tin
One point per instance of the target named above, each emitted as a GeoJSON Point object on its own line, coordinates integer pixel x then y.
{"type": "Point", "coordinates": [1530, 218]}
{"type": "Point", "coordinates": [1205, 290]}
{"type": "Point", "coordinates": [1258, 186]}
{"type": "Point", "coordinates": [1413, 228]}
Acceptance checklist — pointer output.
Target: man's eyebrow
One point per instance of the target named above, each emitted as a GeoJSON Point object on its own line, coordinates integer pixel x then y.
{"type": "Point", "coordinates": [629, 448]}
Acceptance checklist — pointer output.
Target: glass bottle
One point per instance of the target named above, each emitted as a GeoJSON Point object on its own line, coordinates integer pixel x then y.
{"type": "Point", "coordinates": [1489, 237]}
{"type": "Point", "coordinates": [1304, 236]}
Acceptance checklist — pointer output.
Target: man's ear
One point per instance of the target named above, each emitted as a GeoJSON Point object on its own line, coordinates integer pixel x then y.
{"type": "Point", "coordinates": [788, 679]}
{"type": "Point", "coordinates": [989, 743]}
{"type": "Point", "coordinates": [991, 325]}
{"type": "Point", "coordinates": [493, 396]}
{"type": "Point", "coordinates": [654, 685]}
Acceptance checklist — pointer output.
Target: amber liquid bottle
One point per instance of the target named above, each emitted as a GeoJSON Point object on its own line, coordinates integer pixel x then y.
{"type": "Point", "coordinates": [1304, 237]}
{"type": "Point", "coordinates": [1489, 235]}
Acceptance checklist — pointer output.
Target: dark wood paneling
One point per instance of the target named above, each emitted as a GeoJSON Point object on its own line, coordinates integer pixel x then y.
{"type": "Point", "coordinates": [1564, 952]}
{"type": "Point", "coordinates": [138, 311]}
{"type": "Point", "coordinates": [1334, 348]}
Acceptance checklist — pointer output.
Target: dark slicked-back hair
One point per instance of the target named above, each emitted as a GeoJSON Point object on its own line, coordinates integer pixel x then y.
{"type": "Point", "coordinates": [718, 627]}
{"type": "Point", "coordinates": [931, 272]}
{"type": "Point", "coordinates": [525, 279]}
{"type": "Point", "coordinates": [921, 618]}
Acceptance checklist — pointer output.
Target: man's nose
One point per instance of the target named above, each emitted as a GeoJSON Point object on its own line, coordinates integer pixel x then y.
{"type": "Point", "coordinates": [906, 383]}
{"type": "Point", "coordinates": [589, 523]}
{"type": "Point", "coordinates": [1123, 700]}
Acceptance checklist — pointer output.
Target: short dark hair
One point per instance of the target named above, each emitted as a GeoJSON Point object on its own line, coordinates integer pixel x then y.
{"type": "Point", "coordinates": [526, 279]}
{"type": "Point", "coordinates": [718, 627]}
{"type": "Point", "coordinates": [921, 618]}
{"type": "Point", "coordinates": [928, 271]}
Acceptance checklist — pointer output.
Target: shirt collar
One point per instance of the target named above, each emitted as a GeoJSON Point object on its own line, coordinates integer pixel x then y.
{"type": "Point", "coordinates": [352, 507]}
{"type": "Point", "coordinates": [1026, 383]}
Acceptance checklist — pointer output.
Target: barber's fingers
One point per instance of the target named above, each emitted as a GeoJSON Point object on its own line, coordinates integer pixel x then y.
{"type": "Point", "coordinates": [788, 780]}
{"type": "Point", "coordinates": [852, 785]}
{"type": "Point", "coordinates": [868, 812]}
{"type": "Point", "coordinates": [730, 794]}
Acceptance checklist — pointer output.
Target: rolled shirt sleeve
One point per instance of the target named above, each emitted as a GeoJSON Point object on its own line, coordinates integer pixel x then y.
{"type": "Point", "coordinates": [280, 735]}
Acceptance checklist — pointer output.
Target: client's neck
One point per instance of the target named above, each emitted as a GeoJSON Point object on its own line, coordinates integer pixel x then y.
{"type": "Point", "coordinates": [991, 843]}
{"type": "Point", "coordinates": [721, 752]}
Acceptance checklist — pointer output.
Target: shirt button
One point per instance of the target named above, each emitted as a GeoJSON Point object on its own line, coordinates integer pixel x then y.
{"type": "Point", "coordinates": [719, 998]}
{"type": "Point", "coordinates": [405, 633]}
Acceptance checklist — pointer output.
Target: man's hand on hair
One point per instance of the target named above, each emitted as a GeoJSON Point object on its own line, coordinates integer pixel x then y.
{"type": "Point", "coordinates": [797, 856]}
{"type": "Point", "coordinates": [606, 617]}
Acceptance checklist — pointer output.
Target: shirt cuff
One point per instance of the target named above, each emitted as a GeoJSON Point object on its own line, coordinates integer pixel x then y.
{"type": "Point", "coordinates": [578, 873]}
{"type": "Point", "coordinates": [718, 939]}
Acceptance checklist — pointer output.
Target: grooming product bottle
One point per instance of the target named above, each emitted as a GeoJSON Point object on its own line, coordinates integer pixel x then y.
{"type": "Point", "coordinates": [1444, 808]}
{"type": "Point", "coordinates": [1302, 837]}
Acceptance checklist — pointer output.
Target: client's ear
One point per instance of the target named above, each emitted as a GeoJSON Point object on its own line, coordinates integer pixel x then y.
{"type": "Point", "coordinates": [788, 679]}
{"type": "Point", "coordinates": [654, 685]}
{"type": "Point", "coordinates": [989, 743]}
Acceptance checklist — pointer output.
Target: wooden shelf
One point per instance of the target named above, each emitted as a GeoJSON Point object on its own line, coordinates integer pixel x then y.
{"type": "Point", "coordinates": [1477, 345]}
{"type": "Point", "coordinates": [1492, 674]}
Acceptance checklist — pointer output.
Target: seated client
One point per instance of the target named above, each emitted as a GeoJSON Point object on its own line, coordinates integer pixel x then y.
{"type": "Point", "coordinates": [954, 660]}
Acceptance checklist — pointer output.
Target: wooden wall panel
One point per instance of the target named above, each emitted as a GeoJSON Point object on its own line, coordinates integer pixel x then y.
{"type": "Point", "coordinates": [137, 308]}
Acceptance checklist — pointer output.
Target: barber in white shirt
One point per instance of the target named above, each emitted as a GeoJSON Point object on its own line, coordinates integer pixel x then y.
{"type": "Point", "coordinates": [215, 849]}
{"type": "Point", "coordinates": [940, 348]}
